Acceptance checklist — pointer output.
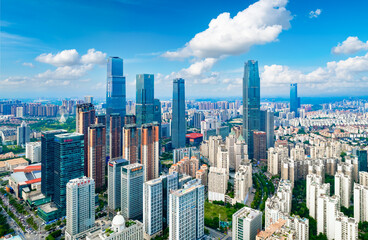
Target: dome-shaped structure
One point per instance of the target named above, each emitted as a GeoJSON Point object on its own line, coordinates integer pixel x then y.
{"type": "Point", "coordinates": [118, 223]}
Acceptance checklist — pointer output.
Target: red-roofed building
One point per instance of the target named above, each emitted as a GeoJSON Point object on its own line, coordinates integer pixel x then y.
{"type": "Point", "coordinates": [194, 139]}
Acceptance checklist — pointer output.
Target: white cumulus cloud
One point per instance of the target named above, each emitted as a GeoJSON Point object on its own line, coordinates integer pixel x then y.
{"type": "Point", "coordinates": [66, 72]}
{"type": "Point", "coordinates": [94, 57]}
{"type": "Point", "coordinates": [63, 58]}
{"type": "Point", "coordinates": [315, 14]}
{"type": "Point", "coordinates": [350, 45]}
{"type": "Point", "coordinates": [260, 23]}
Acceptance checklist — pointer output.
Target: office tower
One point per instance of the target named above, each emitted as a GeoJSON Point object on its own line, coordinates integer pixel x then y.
{"type": "Point", "coordinates": [80, 206]}
{"type": "Point", "coordinates": [362, 160]}
{"type": "Point", "coordinates": [270, 129]}
{"type": "Point", "coordinates": [157, 110]}
{"type": "Point", "coordinates": [97, 154]}
{"type": "Point", "coordinates": [243, 182]}
{"type": "Point", "coordinates": [178, 123]}
{"type": "Point", "coordinates": [247, 222]}
{"type": "Point", "coordinates": [132, 179]}
{"type": "Point", "coordinates": [144, 99]}
{"type": "Point", "coordinates": [115, 136]}
{"type": "Point", "coordinates": [85, 116]}
{"type": "Point", "coordinates": [101, 119]}
{"type": "Point", "coordinates": [115, 88]}
{"type": "Point", "coordinates": [360, 202]}
{"type": "Point", "coordinates": [23, 132]}
{"type": "Point", "coordinates": [217, 184]}
{"type": "Point", "coordinates": [129, 119]}
{"type": "Point", "coordinates": [259, 146]}
{"type": "Point", "coordinates": [130, 143]}
{"type": "Point", "coordinates": [114, 183]}
{"type": "Point", "coordinates": [186, 219]}
{"type": "Point", "coordinates": [33, 151]}
{"type": "Point", "coordinates": [150, 150]}
{"type": "Point", "coordinates": [88, 99]}
{"type": "Point", "coordinates": [343, 188]}
{"type": "Point", "coordinates": [48, 160]}
{"type": "Point", "coordinates": [153, 207]}
{"type": "Point", "coordinates": [69, 164]}
{"type": "Point", "coordinates": [198, 117]}
{"type": "Point", "coordinates": [327, 208]}
{"type": "Point", "coordinates": [251, 103]}
{"type": "Point", "coordinates": [294, 99]}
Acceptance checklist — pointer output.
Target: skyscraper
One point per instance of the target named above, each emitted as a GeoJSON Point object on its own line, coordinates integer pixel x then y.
{"type": "Point", "coordinates": [294, 99]}
{"type": "Point", "coordinates": [187, 211]}
{"type": "Point", "coordinates": [48, 160]}
{"type": "Point", "coordinates": [144, 99]}
{"type": "Point", "coordinates": [85, 116]}
{"type": "Point", "coordinates": [97, 154]}
{"type": "Point", "coordinates": [178, 124]}
{"type": "Point", "coordinates": [150, 150]}
{"type": "Point", "coordinates": [132, 179]}
{"type": "Point", "coordinates": [157, 110]}
{"type": "Point", "coordinates": [68, 164]}
{"type": "Point", "coordinates": [80, 206]}
{"type": "Point", "coordinates": [130, 143]}
{"type": "Point", "coordinates": [23, 132]}
{"type": "Point", "coordinates": [156, 194]}
{"type": "Point", "coordinates": [114, 183]}
{"type": "Point", "coordinates": [251, 103]}
{"type": "Point", "coordinates": [115, 88]}
{"type": "Point", "coordinates": [362, 160]}
{"type": "Point", "coordinates": [115, 135]}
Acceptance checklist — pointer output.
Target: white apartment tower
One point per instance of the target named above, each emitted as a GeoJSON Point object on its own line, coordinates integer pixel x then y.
{"type": "Point", "coordinates": [327, 209]}
{"type": "Point", "coordinates": [186, 219]}
{"type": "Point", "coordinates": [243, 182]}
{"type": "Point", "coordinates": [80, 206]}
{"type": "Point", "coordinates": [247, 222]}
{"type": "Point", "coordinates": [33, 151]}
{"type": "Point", "coordinates": [217, 184]}
{"type": "Point", "coordinates": [360, 202]}
{"type": "Point", "coordinates": [343, 188]}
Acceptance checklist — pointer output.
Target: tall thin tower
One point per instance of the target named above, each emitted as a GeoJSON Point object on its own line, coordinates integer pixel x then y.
{"type": "Point", "coordinates": [294, 99]}
{"type": "Point", "coordinates": [251, 103]}
{"type": "Point", "coordinates": [115, 88]}
{"type": "Point", "coordinates": [178, 125]}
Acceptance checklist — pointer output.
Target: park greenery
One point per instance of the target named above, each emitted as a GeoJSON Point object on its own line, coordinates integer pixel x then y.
{"type": "Point", "coordinates": [51, 124]}
{"type": "Point", "coordinates": [363, 230]}
{"type": "Point", "coordinates": [54, 235]}
{"type": "Point", "coordinates": [218, 210]}
{"type": "Point", "coordinates": [4, 226]}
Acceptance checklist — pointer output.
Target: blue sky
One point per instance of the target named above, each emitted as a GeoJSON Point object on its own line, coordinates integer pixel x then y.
{"type": "Point", "coordinates": [58, 48]}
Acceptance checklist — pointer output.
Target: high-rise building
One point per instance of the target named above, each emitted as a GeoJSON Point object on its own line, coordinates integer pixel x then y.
{"type": "Point", "coordinates": [150, 150]}
{"type": "Point", "coordinates": [23, 132]}
{"type": "Point", "coordinates": [247, 222]}
{"type": "Point", "coordinates": [114, 183]}
{"type": "Point", "coordinates": [144, 99]}
{"type": "Point", "coordinates": [178, 123]}
{"type": "Point", "coordinates": [132, 179]}
{"type": "Point", "coordinates": [363, 178]}
{"type": "Point", "coordinates": [115, 136]}
{"type": "Point", "coordinates": [362, 160]}
{"type": "Point", "coordinates": [130, 119]}
{"type": "Point", "coordinates": [360, 202]}
{"type": "Point", "coordinates": [115, 88]}
{"type": "Point", "coordinates": [345, 227]}
{"type": "Point", "coordinates": [294, 99]}
{"type": "Point", "coordinates": [315, 188]}
{"type": "Point", "coordinates": [217, 184]}
{"type": "Point", "coordinates": [68, 164]}
{"type": "Point", "coordinates": [153, 207]}
{"type": "Point", "coordinates": [186, 219]}
{"type": "Point", "coordinates": [48, 161]}
{"type": "Point", "coordinates": [157, 110]}
{"type": "Point", "coordinates": [33, 151]}
{"type": "Point", "coordinates": [251, 103]}
{"type": "Point", "coordinates": [80, 206]}
{"type": "Point", "coordinates": [243, 182]}
{"type": "Point", "coordinates": [343, 188]}
{"type": "Point", "coordinates": [198, 117]}
{"type": "Point", "coordinates": [327, 209]}
{"type": "Point", "coordinates": [130, 143]}
{"type": "Point", "coordinates": [97, 154]}
{"type": "Point", "coordinates": [260, 146]}
{"type": "Point", "coordinates": [101, 118]}
{"type": "Point", "coordinates": [88, 99]}
{"type": "Point", "coordinates": [85, 116]}
{"type": "Point", "coordinates": [270, 129]}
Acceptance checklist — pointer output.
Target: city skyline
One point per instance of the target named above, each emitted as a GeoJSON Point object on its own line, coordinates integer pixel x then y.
{"type": "Point", "coordinates": [61, 63]}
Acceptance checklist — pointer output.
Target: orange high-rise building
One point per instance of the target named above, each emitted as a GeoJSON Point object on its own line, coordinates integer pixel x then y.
{"type": "Point", "coordinates": [85, 116]}
{"type": "Point", "coordinates": [97, 154]}
{"type": "Point", "coordinates": [130, 143]}
{"type": "Point", "coordinates": [150, 150]}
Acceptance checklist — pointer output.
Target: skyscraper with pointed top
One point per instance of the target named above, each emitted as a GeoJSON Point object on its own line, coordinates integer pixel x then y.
{"type": "Point", "coordinates": [178, 125]}
{"type": "Point", "coordinates": [251, 103]}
